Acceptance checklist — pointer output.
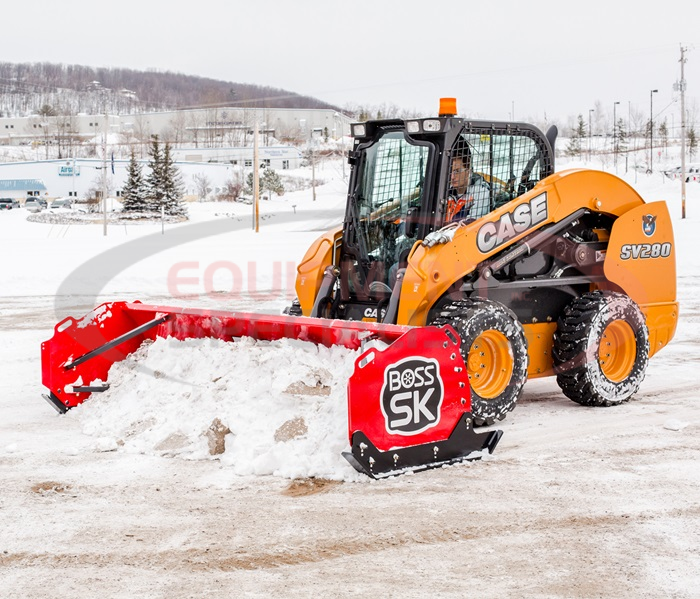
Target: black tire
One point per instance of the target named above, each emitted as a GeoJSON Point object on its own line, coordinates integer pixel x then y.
{"type": "Point", "coordinates": [601, 349]}
{"type": "Point", "coordinates": [497, 384]}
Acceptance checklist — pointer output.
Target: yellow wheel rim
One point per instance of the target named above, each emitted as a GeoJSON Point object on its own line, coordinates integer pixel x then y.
{"type": "Point", "coordinates": [618, 351]}
{"type": "Point", "coordinates": [490, 364]}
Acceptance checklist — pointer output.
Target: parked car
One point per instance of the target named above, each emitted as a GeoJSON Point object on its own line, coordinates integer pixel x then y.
{"type": "Point", "coordinates": [692, 172]}
{"type": "Point", "coordinates": [61, 203]}
{"type": "Point", "coordinates": [34, 204]}
{"type": "Point", "coordinates": [8, 203]}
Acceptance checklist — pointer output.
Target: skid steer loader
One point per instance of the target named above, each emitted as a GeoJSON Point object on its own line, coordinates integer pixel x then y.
{"type": "Point", "coordinates": [470, 266]}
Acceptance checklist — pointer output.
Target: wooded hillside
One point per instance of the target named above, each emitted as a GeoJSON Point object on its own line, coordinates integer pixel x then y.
{"type": "Point", "coordinates": [26, 88]}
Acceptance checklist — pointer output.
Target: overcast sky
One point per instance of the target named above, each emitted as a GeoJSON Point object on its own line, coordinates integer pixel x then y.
{"type": "Point", "coordinates": [499, 58]}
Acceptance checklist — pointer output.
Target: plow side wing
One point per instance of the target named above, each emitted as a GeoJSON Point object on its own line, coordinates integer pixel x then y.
{"type": "Point", "coordinates": [409, 406]}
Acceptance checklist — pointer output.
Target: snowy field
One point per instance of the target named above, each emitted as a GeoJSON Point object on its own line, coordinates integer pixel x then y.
{"type": "Point", "coordinates": [121, 497]}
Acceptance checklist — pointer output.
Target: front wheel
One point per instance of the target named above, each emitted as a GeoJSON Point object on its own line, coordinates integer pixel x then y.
{"type": "Point", "coordinates": [494, 349]}
{"type": "Point", "coordinates": [601, 349]}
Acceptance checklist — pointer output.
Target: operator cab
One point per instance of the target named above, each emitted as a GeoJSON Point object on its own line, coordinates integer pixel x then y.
{"type": "Point", "coordinates": [412, 177]}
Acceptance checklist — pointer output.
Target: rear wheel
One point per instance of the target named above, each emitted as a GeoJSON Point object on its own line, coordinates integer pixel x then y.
{"type": "Point", "coordinates": [495, 352]}
{"type": "Point", "coordinates": [601, 349]}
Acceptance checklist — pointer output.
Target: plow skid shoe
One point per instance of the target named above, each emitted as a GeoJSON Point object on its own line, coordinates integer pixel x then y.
{"type": "Point", "coordinates": [462, 445]}
{"type": "Point", "coordinates": [409, 406]}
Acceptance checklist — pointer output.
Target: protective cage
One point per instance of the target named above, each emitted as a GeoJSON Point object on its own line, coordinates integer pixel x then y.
{"type": "Point", "coordinates": [490, 167]}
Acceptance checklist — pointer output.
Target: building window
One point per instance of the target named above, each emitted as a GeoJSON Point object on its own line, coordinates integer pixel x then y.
{"type": "Point", "coordinates": [72, 194]}
{"type": "Point", "coordinates": [119, 193]}
{"type": "Point", "coordinates": [285, 164]}
{"type": "Point", "coordinates": [248, 163]}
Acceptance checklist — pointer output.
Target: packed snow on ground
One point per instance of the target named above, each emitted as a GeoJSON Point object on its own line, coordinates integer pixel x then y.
{"type": "Point", "coordinates": [213, 468]}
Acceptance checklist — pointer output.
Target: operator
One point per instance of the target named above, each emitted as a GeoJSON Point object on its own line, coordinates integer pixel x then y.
{"type": "Point", "coordinates": [469, 194]}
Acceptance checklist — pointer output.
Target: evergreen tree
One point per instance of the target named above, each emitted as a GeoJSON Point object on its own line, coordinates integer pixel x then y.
{"type": "Point", "coordinates": [692, 142]}
{"type": "Point", "coordinates": [173, 188]}
{"type": "Point", "coordinates": [577, 134]}
{"type": "Point", "coordinates": [269, 181]}
{"type": "Point", "coordinates": [249, 183]}
{"type": "Point", "coordinates": [663, 133]}
{"type": "Point", "coordinates": [272, 182]}
{"type": "Point", "coordinates": [621, 136]}
{"type": "Point", "coordinates": [134, 192]}
{"type": "Point", "coordinates": [573, 148]}
{"type": "Point", "coordinates": [581, 128]}
{"type": "Point", "coordinates": [155, 180]}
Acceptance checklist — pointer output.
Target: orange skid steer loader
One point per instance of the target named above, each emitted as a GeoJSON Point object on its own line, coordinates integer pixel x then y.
{"type": "Point", "coordinates": [464, 266]}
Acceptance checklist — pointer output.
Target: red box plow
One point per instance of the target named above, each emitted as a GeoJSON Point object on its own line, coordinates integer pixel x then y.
{"type": "Point", "coordinates": [409, 402]}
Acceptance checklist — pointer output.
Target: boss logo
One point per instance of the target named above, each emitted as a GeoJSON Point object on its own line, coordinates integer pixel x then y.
{"type": "Point", "coordinates": [412, 395]}
{"type": "Point", "coordinates": [523, 217]}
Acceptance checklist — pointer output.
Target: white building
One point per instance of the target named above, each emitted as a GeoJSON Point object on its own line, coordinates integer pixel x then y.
{"type": "Point", "coordinates": [208, 127]}
{"type": "Point", "coordinates": [76, 178]}
{"type": "Point", "coordinates": [276, 157]}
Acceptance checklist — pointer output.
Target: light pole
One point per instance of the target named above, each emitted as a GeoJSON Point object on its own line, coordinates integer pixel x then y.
{"type": "Point", "coordinates": [590, 131]}
{"type": "Point", "coordinates": [651, 128]}
{"type": "Point", "coordinates": [615, 133]}
{"type": "Point", "coordinates": [342, 141]}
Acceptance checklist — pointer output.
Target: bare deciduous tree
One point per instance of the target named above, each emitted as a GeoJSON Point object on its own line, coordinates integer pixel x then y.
{"type": "Point", "coordinates": [202, 185]}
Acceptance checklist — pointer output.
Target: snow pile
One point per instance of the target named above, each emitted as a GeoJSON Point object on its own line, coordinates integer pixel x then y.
{"type": "Point", "coordinates": [263, 408]}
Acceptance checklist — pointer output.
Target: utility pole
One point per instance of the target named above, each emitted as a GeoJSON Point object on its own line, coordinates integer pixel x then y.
{"type": "Point", "coordinates": [651, 128]}
{"type": "Point", "coordinates": [104, 177]}
{"type": "Point", "coordinates": [256, 177]}
{"type": "Point", "coordinates": [629, 132]}
{"type": "Point", "coordinates": [342, 141]}
{"type": "Point", "coordinates": [615, 133]}
{"type": "Point", "coordinates": [312, 156]}
{"type": "Point", "coordinates": [681, 85]}
{"type": "Point", "coordinates": [74, 195]}
{"type": "Point", "coordinates": [313, 172]}
{"type": "Point", "coordinates": [590, 132]}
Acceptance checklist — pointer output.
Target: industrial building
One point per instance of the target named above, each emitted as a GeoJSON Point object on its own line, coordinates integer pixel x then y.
{"type": "Point", "coordinates": [79, 178]}
{"type": "Point", "coordinates": [210, 127]}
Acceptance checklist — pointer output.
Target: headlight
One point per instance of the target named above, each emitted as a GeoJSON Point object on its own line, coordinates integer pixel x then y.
{"type": "Point", "coordinates": [431, 125]}
{"type": "Point", "coordinates": [358, 130]}
{"type": "Point", "coordinates": [413, 127]}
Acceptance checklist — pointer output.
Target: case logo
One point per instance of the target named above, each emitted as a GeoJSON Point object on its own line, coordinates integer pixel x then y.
{"type": "Point", "coordinates": [648, 224]}
{"type": "Point", "coordinates": [511, 224]}
{"type": "Point", "coordinates": [412, 395]}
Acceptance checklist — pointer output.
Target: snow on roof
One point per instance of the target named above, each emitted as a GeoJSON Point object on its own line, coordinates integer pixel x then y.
{"type": "Point", "coordinates": [21, 184]}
